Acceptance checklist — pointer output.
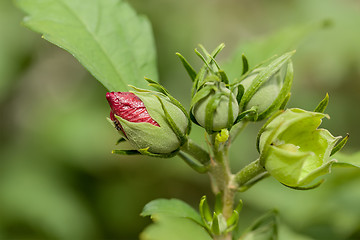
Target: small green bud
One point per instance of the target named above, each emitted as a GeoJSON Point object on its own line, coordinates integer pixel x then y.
{"type": "Point", "coordinates": [294, 150]}
{"type": "Point", "coordinates": [214, 106]}
{"type": "Point", "coordinates": [266, 94]}
{"type": "Point", "coordinates": [267, 88]}
{"type": "Point", "coordinates": [141, 119]}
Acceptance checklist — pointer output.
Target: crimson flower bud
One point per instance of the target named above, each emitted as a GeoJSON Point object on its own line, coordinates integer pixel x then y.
{"type": "Point", "coordinates": [129, 107]}
{"type": "Point", "coordinates": [140, 118]}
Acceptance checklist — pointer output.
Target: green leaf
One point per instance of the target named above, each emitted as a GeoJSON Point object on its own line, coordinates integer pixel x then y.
{"type": "Point", "coordinates": [264, 228]}
{"type": "Point", "coordinates": [347, 160]}
{"type": "Point", "coordinates": [174, 228]}
{"type": "Point", "coordinates": [171, 207]}
{"type": "Point", "coordinates": [107, 37]}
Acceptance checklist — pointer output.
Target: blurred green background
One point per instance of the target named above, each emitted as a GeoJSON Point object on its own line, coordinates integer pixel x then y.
{"type": "Point", "coordinates": [58, 178]}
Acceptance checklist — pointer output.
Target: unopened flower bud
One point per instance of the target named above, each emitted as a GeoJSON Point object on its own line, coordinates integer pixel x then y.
{"type": "Point", "coordinates": [267, 88]}
{"type": "Point", "coordinates": [266, 94]}
{"type": "Point", "coordinates": [294, 150]}
{"type": "Point", "coordinates": [140, 118]}
{"type": "Point", "coordinates": [215, 107]}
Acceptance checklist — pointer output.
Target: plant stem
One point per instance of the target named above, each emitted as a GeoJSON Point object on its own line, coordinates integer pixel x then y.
{"type": "Point", "coordinates": [196, 151]}
{"type": "Point", "coordinates": [249, 172]}
{"type": "Point", "coordinates": [222, 179]}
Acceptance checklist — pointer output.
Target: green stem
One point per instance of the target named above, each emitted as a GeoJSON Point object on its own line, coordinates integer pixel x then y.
{"type": "Point", "coordinates": [222, 178]}
{"type": "Point", "coordinates": [249, 172]}
{"type": "Point", "coordinates": [196, 152]}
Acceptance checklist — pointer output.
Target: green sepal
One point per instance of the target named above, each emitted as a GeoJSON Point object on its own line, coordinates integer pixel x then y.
{"type": "Point", "coordinates": [343, 160]}
{"type": "Point", "coordinates": [202, 93]}
{"type": "Point", "coordinates": [286, 100]}
{"type": "Point", "coordinates": [218, 207]}
{"type": "Point", "coordinates": [240, 92]}
{"type": "Point", "coordinates": [211, 57]}
{"type": "Point", "coordinates": [126, 152]}
{"type": "Point", "coordinates": [245, 64]}
{"type": "Point", "coordinates": [253, 181]}
{"type": "Point", "coordinates": [316, 185]}
{"type": "Point", "coordinates": [323, 104]}
{"type": "Point", "coordinates": [267, 143]}
{"type": "Point", "coordinates": [193, 119]}
{"type": "Point", "coordinates": [182, 138]}
{"type": "Point", "coordinates": [209, 111]}
{"type": "Point", "coordinates": [263, 76]}
{"type": "Point", "coordinates": [205, 212]}
{"type": "Point", "coordinates": [239, 206]}
{"type": "Point", "coordinates": [201, 74]}
{"type": "Point", "coordinates": [194, 165]}
{"type": "Point", "coordinates": [233, 220]}
{"type": "Point", "coordinates": [120, 140]}
{"type": "Point", "coordinates": [223, 76]}
{"type": "Point", "coordinates": [189, 69]}
{"type": "Point", "coordinates": [251, 111]}
{"type": "Point", "coordinates": [145, 151]}
{"type": "Point", "coordinates": [218, 225]}
{"type": "Point", "coordinates": [340, 145]}
{"type": "Point", "coordinates": [215, 226]}
{"type": "Point", "coordinates": [230, 117]}
{"type": "Point", "coordinates": [283, 94]}
{"type": "Point", "coordinates": [207, 63]}
{"type": "Point", "coordinates": [172, 99]}
{"type": "Point", "coordinates": [262, 129]}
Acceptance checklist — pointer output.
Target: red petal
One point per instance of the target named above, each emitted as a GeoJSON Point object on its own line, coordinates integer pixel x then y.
{"type": "Point", "coordinates": [129, 107]}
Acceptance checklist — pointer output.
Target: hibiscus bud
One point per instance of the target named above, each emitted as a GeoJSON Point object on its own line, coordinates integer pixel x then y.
{"type": "Point", "coordinates": [293, 149]}
{"type": "Point", "coordinates": [214, 106]}
{"type": "Point", "coordinates": [140, 118]}
{"type": "Point", "coordinates": [267, 88]}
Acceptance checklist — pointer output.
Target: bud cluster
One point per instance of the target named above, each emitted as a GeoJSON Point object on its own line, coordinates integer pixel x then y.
{"type": "Point", "coordinates": [292, 148]}
{"type": "Point", "coordinates": [258, 93]}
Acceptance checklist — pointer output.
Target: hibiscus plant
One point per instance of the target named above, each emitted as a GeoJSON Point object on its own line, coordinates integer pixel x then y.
{"type": "Point", "coordinates": [291, 146]}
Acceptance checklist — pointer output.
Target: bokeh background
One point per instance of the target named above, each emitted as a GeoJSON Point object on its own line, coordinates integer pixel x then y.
{"type": "Point", "coordinates": [58, 178]}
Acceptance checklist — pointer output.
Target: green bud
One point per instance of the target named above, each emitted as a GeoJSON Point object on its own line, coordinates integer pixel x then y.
{"type": "Point", "coordinates": [266, 94]}
{"type": "Point", "coordinates": [267, 88]}
{"type": "Point", "coordinates": [293, 149]}
{"type": "Point", "coordinates": [214, 106]}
